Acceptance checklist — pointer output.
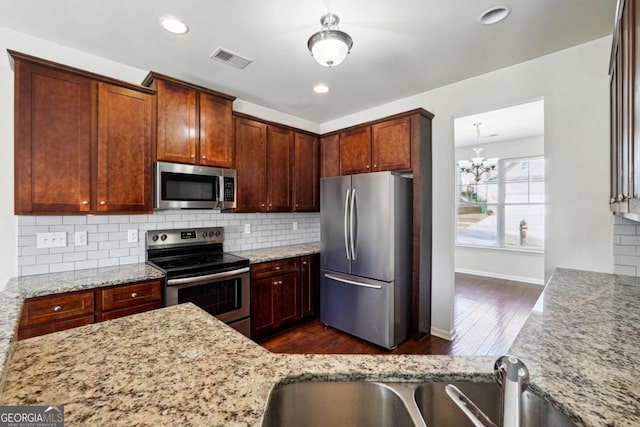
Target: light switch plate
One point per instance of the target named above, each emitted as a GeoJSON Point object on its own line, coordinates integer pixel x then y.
{"type": "Point", "coordinates": [52, 240]}
{"type": "Point", "coordinates": [81, 238]}
{"type": "Point", "coordinates": [132, 236]}
{"type": "Point", "coordinates": [247, 229]}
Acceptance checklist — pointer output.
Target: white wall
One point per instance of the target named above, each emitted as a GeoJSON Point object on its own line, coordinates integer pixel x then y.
{"type": "Point", "coordinates": [41, 48]}
{"type": "Point", "coordinates": [574, 85]}
{"type": "Point", "coordinates": [503, 264]}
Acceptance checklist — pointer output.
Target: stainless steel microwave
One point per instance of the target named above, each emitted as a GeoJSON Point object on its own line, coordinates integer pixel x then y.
{"type": "Point", "coordinates": [193, 187]}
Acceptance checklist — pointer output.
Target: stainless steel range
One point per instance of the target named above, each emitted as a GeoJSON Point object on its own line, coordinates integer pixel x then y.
{"type": "Point", "coordinates": [199, 271]}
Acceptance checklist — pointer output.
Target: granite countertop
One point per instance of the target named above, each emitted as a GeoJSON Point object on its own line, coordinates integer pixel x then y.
{"type": "Point", "coordinates": [270, 254]}
{"type": "Point", "coordinates": [178, 365]}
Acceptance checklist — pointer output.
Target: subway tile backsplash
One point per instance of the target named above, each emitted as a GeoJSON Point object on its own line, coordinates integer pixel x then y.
{"type": "Point", "coordinates": [626, 247]}
{"type": "Point", "coordinates": [107, 236]}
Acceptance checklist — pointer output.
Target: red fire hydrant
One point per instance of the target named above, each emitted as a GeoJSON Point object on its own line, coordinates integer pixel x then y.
{"type": "Point", "coordinates": [523, 232]}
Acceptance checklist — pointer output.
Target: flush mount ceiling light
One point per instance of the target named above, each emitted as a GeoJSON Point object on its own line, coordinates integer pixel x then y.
{"type": "Point", "coordinates": [321, 88]}
{"type": "Point", "coordinates": [330, 46]}
{"type": "Point", "coordinates": [494, 15]}
{"type": "Point", "coordinates": [174, 25]}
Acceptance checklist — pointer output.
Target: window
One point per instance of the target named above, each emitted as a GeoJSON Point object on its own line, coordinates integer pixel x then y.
{"type": "Point", "coordinates": [505, 209]}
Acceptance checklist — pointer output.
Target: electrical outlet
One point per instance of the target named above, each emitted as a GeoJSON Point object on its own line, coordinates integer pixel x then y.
{"type": "Point", "coordinates": [132, 236]}
{"type": "Point", "coordinates": [51, 240]}
{"type": "Point", "coordinates": [247, 229]}
{"type": "Point", "coordinates": [295, 225]}
{"type": "Point", "coordinates": [81, 238]}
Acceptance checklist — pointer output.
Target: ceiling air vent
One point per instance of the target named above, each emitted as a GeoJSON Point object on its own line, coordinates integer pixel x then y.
{"type": "Point", "coordinates": [230, 58]}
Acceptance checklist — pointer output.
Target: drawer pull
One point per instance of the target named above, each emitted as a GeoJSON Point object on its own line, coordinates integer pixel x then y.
{"type": "Point", "coordinates": [304, 262]}
{"type": "Point", "coordinates": [57, 308]}
{"type": "Point", "coordinates": [277, 268]}
{"type": "Point", "coordinates": [133, 295]}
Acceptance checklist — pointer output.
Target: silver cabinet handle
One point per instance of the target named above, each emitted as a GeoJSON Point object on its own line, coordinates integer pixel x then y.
{"type": "Point", "coordinates": [204, 157]}
{"type": "Point", "coordinates": [277, 268]}
{"type": "Point", "coordinates": [367, 166]}
{"type": "Point", "coordinates": [375, 166]}
{"type": "Point", "coordinates": [193, 156]}
{"type": "Point", "coordinates": [57, 308]}
{"type": "Point", "coordinates": [346, 224]}
{"type": "Point", "coordinates": [103, 202]}
{"type": "Point", "coordinates": [133, 295]}
{"type": "Point", "coordinates": [352, 282]}
{"type": "Point", "coordinates": [85, 202]}
{"type": "Point", "coordinates": [304, 262]}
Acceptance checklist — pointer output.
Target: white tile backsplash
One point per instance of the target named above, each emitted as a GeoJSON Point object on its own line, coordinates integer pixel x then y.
{"type": "Point", "coordinates": [107, 236]}
{"type": "Point", "coordinates": [626, 247]}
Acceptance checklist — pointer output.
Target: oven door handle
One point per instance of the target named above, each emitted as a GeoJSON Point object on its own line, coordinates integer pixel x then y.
{"type": "Point", "coordinates": [207, 277]}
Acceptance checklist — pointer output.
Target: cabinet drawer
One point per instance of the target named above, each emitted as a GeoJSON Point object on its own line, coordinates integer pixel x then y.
{"type": "Point", "coordinates": [130, 295]}
{"type": "Point", "coordinates": [122, 312]}
{"type": "Point", "coordinates": [58, 307]}
{"type": "Point", "coordinates": [47, 328]}
{"type": "Point", "coordinates": [267, 269]}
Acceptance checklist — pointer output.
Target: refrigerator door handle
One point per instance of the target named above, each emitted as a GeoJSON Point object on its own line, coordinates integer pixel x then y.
{"type": "Point", "coordinates": [353, 226]}
{"type": "Point", "coordinates": [351, 282]}
{"type": "Point", "coordinates": [346, 224]}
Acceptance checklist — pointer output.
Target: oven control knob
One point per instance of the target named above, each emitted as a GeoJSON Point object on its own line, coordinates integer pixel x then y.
{"type": "Point", "coordinates": [163, 237]}
{"type": "Point", "coordinates": [217, 233]}
{"type": "Point", "coordinates": [211, 234]}
{"type": "Point", "coordinates": [204, 235]}
{"type": "Point", "coordinates": [155, 238]}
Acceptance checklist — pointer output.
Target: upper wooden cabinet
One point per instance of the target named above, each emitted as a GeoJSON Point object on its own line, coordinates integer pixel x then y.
{"type": "Point", "coordinates": [306, 184]}
{"type": "Point", "coordinates": [330, 156]}
{"type": "Point", "coordinates": [381, 146]}
{"type": "Point", "coordinates": [355, 151]}
{"type": "Point", "coordinates": [195, 125]}
{"type": "Point", "coordinates": [82, 141]}
{"type": "Point", "coordinates": [264, 162]}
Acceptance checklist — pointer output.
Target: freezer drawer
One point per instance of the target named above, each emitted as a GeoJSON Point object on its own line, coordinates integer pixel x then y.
{"type": "Point", "coordinates": [360, 307]}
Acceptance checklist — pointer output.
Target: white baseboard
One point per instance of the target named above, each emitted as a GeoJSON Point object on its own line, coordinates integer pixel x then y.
{"type": "Point", "coordinates": [501, 276]}
{"type": "Point", "coordinates": [441, 333]}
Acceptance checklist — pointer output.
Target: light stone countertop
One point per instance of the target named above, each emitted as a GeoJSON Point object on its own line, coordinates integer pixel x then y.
{"type": "Point", "coordinates": [180, 366]}
{"type": "Point", "coordinates": [281, 252]}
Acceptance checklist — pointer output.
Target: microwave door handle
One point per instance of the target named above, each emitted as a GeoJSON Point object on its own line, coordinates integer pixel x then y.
{"type": "Point", "coordinates": [346, 224]}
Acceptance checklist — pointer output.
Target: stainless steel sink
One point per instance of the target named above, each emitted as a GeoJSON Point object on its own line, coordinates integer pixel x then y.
{"type": "Point", "coordinates": [360, 403]}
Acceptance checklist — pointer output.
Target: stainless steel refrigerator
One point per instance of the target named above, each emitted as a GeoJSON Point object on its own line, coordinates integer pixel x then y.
{"type": "Point", "coordinates": [365, 255]}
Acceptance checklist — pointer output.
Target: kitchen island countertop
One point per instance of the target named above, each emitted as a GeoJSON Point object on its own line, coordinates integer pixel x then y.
{"type": "Point", "coordinates": [178, 365]}
{"type": "Point", "coordinates": [280, 252]}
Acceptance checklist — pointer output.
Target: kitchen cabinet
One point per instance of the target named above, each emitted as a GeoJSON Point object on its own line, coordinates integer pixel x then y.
{"type": "Point", "coordinates": [330, 156]}
{"type": "Point", "coordinates": [57, 312]}
{"type": "Point", "coordinates": [120, 301]}
{"type": "Point", "coordinates": [306, 179]}
{"type": "Point", "coordinates": [381, 146]}
{"type": "Point", "coordinates": [264, 159]}
{"type": "Point", "coordinates": [310, 285]}
{"type": "Point", "coordinates": [194, 124]}
{"type": "Point", "coordinates": [275, 295]}
{"type": "Point", "coordinates": [54, 313]}
{"type": "Point", "coordinates": [82, 141]}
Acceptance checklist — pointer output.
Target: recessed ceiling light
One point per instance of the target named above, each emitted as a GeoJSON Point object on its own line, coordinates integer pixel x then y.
{"type": "Point", "coordinates": [494, 15]}
{"type": "Point", "coordinates": [321, 88]}
{"type": "Point", "coordinates": [174, 25]}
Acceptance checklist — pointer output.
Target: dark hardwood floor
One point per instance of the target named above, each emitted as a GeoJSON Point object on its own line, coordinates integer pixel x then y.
{"type": "Point", "coordinates": [489, 313]}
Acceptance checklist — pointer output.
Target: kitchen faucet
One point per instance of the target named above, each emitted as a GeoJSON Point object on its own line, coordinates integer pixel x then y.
{"type": "Point", "coordinates": [513, 377]}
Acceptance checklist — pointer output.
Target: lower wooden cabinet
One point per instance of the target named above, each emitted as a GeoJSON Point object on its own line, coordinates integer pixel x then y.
{"type": "Point", "coordinates": [53, 313]}
{"type": "Point", "coordinates": [282, 293]}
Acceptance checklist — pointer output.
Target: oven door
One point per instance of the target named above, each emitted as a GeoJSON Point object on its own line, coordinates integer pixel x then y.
{"type": "Point", "coordinates": [224, 295]}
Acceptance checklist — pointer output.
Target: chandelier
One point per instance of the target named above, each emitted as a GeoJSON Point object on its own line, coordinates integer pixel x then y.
{"type": "Point", "coordinates": [478, 165]}
{"type": "Point", "coordinates": [330, 46]}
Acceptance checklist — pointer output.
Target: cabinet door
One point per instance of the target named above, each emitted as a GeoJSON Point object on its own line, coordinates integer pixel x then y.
{"type": "Point", "coordinates": [288, 290]}
{"type": "Point", "coordinates": [251, 146]}
{"type": "Point", "coordinates": [306, 183]}
{"type": "Point", "coordinates": [391, 145]}
{"type": "Point", "coordinates": [355, 151]}
{"type": "Point", "coordinates": [330, 156]}
{"type": "Point", "coordinates": [176, 123]}
{"type": "Point", "coordinates": [53, 111]}
{"type": "Point", "coordinates": [310, 285]}
{"type": "Point", "coordinates": [279, 163]}
{"type": "Point", "coordinates": [216, 131]}
{"type": "Point", "coordinates": [125, 123]}
{"type": "Point", "coordinates": [263, 306]}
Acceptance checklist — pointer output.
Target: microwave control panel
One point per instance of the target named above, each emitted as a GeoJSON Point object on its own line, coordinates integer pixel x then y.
{"type": "Point", "coordinates": [229, 189]}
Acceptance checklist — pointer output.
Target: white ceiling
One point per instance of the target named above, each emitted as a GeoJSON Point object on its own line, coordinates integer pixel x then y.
{"type": "Point", "coordinates": [519, 121]}
{"type": "Point", "coordinates": [401, 47]}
